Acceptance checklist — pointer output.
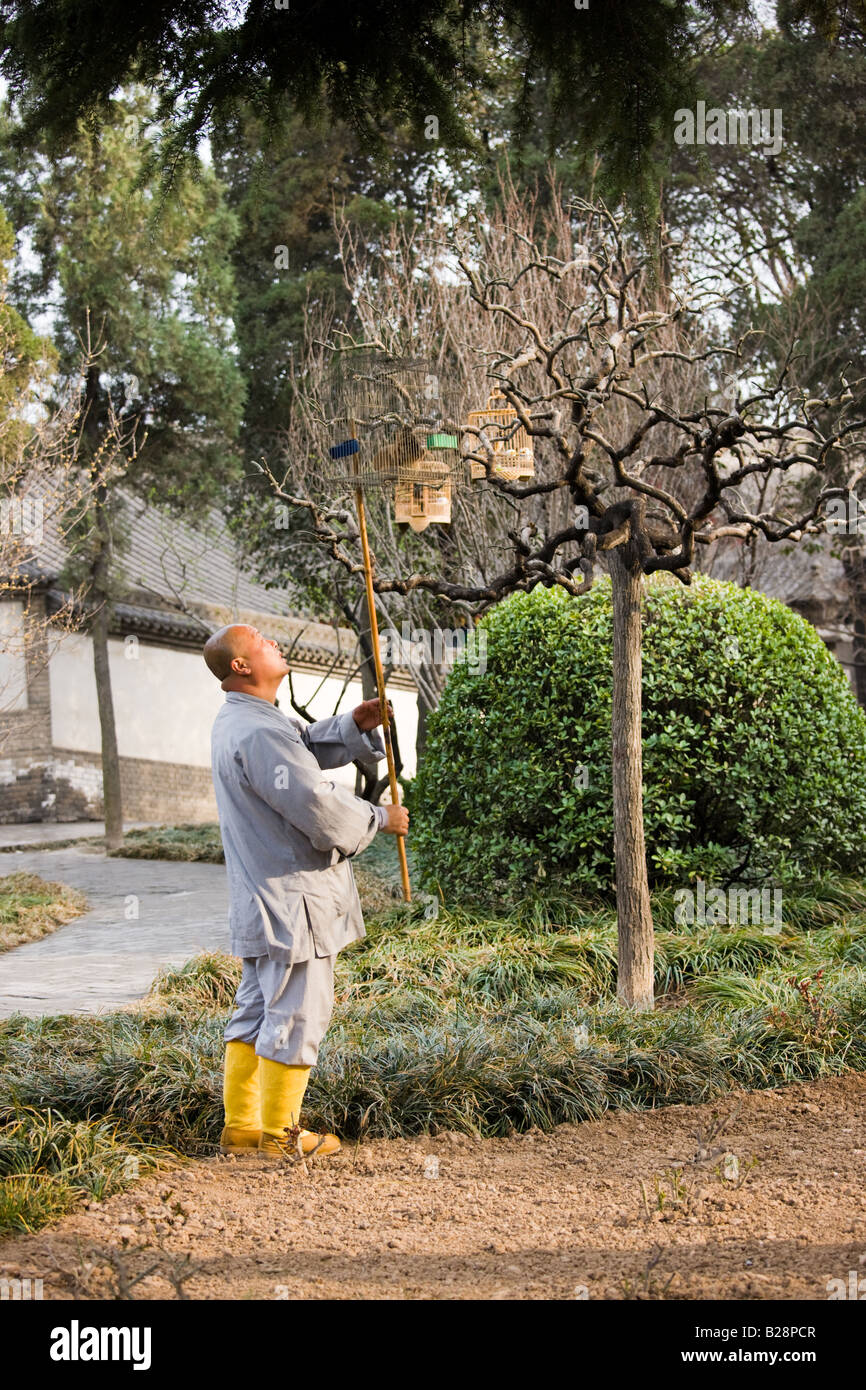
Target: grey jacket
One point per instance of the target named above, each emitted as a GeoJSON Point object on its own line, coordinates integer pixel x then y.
{"type": "Point", "coordinates": [287, 831]}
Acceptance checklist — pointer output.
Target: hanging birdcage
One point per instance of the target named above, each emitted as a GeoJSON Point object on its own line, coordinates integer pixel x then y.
{"type": "Point", "coordinates": [498, 430]}
{"type": "Point", "coordinates": [391, 428]}
{"type": "Point", "coordinates": [423, 492]}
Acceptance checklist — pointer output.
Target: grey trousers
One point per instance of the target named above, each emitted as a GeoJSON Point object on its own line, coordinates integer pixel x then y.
{"type": "Point", "coordinates": [284, 1010]}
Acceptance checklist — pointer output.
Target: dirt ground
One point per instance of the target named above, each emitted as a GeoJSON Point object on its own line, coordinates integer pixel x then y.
{"type": "Point", "coordinates": [596, 1210]}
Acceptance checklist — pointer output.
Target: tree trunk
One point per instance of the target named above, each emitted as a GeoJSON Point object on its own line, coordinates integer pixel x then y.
{"type": "Point", "coordinates": [854, 563]}
{"type": "Point", "coordinates": [99, 595]}
{"type": "Point", "coordinates": [634, 918]}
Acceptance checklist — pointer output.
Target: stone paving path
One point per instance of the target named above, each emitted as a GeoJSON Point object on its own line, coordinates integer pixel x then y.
{"type": "Point", "coordinates": [18, 836]}
{"type": "Point", "coordinates": [144, 914]}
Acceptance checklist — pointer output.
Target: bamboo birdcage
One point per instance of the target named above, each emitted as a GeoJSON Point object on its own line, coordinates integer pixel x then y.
{"type": "Point", "coordinates": [499, 429]}
{"type": "Point", "coordinates": [395, 433]}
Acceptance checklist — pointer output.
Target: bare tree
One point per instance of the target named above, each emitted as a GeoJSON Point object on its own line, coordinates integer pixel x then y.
{"type": "Point", "coordinates": [616, 379]}
{"type": "Point", "coordinates": [44, 494]}
{"type": "Point", "coordinates": [745, 233]}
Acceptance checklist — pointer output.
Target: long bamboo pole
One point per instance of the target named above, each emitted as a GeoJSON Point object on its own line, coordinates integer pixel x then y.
{"type": "Point", "coordinates": [380, 684]}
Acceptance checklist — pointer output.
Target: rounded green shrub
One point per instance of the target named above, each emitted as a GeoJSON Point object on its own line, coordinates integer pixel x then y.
{"type": "Point", "coordinates": [754, 747]}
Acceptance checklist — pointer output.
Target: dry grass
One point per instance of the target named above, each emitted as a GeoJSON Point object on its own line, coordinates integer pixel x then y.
{"type": "Point", "coordinates": [30, 908]}
{"type": "Point", "coordinates": [192, 843]}
{"type": "Point", "coordinates": [377, 894]}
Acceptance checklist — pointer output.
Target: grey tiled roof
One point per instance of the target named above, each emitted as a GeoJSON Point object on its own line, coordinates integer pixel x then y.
{"type": "Point", "coordinates": [165, 557]}
{"type": "Point", "coordinates": [799, 576]}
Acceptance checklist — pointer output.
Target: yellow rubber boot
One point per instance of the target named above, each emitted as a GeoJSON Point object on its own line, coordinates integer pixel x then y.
{"type": "Point", "coordinates": [243, 1124]}
{"type": "Point", "coordinates": [282, 1089]}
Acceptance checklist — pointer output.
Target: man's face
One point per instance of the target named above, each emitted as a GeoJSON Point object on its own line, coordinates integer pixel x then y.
{"type": "Point", "coordinates": [263, 657]}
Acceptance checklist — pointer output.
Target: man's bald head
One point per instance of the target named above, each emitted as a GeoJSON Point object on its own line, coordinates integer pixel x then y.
{"type": "Point", "coordinates": [223, 646]}
{"type": "Point", "coordinates": [242, 659]}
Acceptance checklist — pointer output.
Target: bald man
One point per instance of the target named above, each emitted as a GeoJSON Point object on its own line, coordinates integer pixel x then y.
{"type": "Point", "coordinates": [289, 835]}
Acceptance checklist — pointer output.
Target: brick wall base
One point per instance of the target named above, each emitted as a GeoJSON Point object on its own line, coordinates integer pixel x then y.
{"type": "Point", "coordinates": [27, 791]}
{"type": "Point", "coordinates": [170, 792]}
{"type": "Point", "coordinates": [68, 787]}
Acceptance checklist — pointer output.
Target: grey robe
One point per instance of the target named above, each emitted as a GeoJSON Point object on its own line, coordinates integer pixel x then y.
{"type": "Point", "coordinates": [287, 831]}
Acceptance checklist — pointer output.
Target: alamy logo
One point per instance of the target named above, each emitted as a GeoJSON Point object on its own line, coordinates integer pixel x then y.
{"type": "Point", "coordinates": [845, 514]}
{"type": "Point", "coordinates": [708, 906]}
{"type": "Point", "coordinates": [22, 516]}
{"type": "Point", "coordinates": [718, 127]}
{"type": "Point", "coordinates": [20, 1290]}
{"type": "Point", "coordinates": [77, 1343]}
{"type": "Point", "coordinates": [441, 646]}
{"type": "Point", "coordinates": [855, 1287]}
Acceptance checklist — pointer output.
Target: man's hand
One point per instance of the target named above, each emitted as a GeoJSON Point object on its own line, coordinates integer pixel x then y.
{"type": "Point", "coordinates": [398, 820]}
{"type": "Point", "coordinates": [369, 714]}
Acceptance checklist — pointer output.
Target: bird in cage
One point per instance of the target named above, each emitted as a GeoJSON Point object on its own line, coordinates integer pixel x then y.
{"type": "Point", "coordinates": [398, 457]}
{"type": "Point", "coordinates": [498, 430]}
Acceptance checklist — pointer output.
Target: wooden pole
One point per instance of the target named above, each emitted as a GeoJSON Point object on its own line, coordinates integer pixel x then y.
{"type": "Point", "coordinates": [380, 684]}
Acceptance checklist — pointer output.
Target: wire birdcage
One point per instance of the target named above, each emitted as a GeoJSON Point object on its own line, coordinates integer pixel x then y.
{"type": "Point", "coordinates": [499, 429]}
{"type": "Point", "coordinates": [391, 426]}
